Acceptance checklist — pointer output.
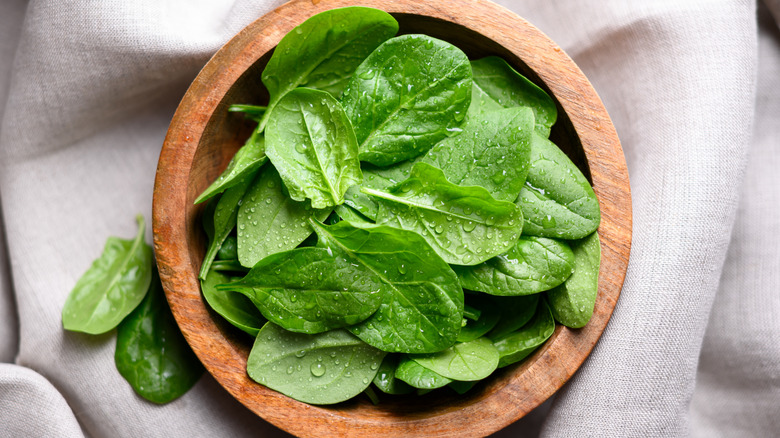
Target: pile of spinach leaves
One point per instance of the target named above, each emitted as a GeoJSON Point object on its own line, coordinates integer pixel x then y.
{"type": "Point", "coordinates": [399, 220]}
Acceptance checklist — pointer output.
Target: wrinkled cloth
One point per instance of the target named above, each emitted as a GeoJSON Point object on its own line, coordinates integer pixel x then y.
{"type": "Point", "coordinates": [87, 90]}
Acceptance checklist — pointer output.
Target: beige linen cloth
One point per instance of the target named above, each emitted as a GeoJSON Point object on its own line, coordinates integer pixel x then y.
{"type": "Point", "coordinates": [87, 89]}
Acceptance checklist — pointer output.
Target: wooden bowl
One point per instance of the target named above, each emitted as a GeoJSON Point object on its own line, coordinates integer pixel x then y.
{"type": "Point", "coordinates": [203, 136]}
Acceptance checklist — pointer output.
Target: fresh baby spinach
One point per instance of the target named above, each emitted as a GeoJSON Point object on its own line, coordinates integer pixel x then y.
{"type": "Point", "coordinates": [514, 313]}
{"type": "Point", "coordinates": [324, 51]}
{"type": "Point", "coordinates": [464, 225]}
{"type": "Point", "coordinates": [325, 368]}
{"type": "Point", "coordinates": [243, 164]}
{"type": "Point", "coordinates": [151, 353]}
{"type": "Point", "coordinates": [270, 221]}
{"type": "Point", "coordinates": [499, 82]}
{"type": "Point", "coordinates": [572, 302]}
{"type": "Point", "coordinates": [385, 378]}
{"type": "Point", "coordinates": [516, 346]}
{"type": "Point", "coordinates": [532, 265]}
{"type": "Point", "coordinates": [418, 376]}
{"type": "Point", "coordinates": [488, 318]}
{"type": "Point", "coordinates": [557, 200]}
{"type": "Point", "coordinates": [233, 306]}
{"type": "Point", "coordinates": [312, 145]}
{"type": "Point", "coordinates": [408, 94]}
{"type": "Point", "coordinates": [112, 287]}
{"type": "Point", "coordinates": [223, 221]}
{"type": "Point", "coordinates": [472, 360]}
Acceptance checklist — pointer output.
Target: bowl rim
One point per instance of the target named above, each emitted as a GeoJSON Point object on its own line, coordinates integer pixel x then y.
{"type": "Point", "coordinates": [531, 382]}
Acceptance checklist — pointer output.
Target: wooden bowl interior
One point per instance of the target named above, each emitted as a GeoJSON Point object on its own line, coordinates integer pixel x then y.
{"type": "Point", "coordinates": [211, 135]}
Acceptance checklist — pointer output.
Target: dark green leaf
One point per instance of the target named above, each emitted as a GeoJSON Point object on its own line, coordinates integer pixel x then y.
{"type": "Point", "coordinates": [312, 290]}
{"type": "Point", "coordinates": [233, 306]}
{"type": "Point", "coordinates": [473, 360]}
{"type": "Point", "coordinates": [508, 88]}
{"type": "Point", "coordinates": [411, 92]}
{"type": "Point", "coordinates": [488, 317]}
{"type": "Point", "coordinates": [385, 379]}
{"type": "Point", "coordinates": [242, 166]}
{"type": "Point", "coordinates": [350, 215]}
{"type": "Point", "coordinates": [464, 225]}
{"type": "Point", "coordinates": [320, 369]}
{"type": "Point", "coordinates": [515, 312]}
{"type": "Point", "coordinates": [324, 51]}
{"type": "Point", "coordinates": [424, 310]}
{"type": "Point", "coordinates": [151, 353]}
{"type": "Point", "coordinates": [312, 145]}
{"type": "Point", "coordinates": [112, 287]}
{"type": "Point", "coordinates": [572, 302]}
{"type": "Point", "coordinates": [518, 345]}
{"type": "Point", "coordinates": [493, 152]}
{"type": "Point", "coordinates": [229, 249]}
{"type": "Point", "coordinates": [461, 387]}
{"type": "Point", "coordinates": [270, 222]}
{"type": "Point", "coordinates": [533, 265]}
{"type": "Point", "coordinates": [557, 200]}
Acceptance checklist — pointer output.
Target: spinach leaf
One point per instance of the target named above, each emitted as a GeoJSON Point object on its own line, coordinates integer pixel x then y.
{"type": "Point", "coordinates": [488, 317]}
{"type": "Point", "coordinates": [233, 306]}
{"type": "Point", "coordinates": [533, 265]}
{"type": "Point", "coordinates": [242, 166]}
{"type": "Point", "coordinates": [385, 378]}
{"type": "Point", "coordinates": [424, 310]}
{"type": "Point", "coordinates": [493, 152]}
{"type": "Point", "coordinates": [406, 96]}
{"type": "Point", "coordinates": [311, 143]}
{"type": "Point", "coordinates": [151, 353]}
{"type": "Point", "coordinates": [557, 200]}
{"type": "Point", "coordinates": [312, 290]}
{"type": "Point", "coordinates": [324, 51]}
{"type": "Point", "coordinates": [473, 360]}
{"type": "Point", "coordinates": [112, 287]}
{"type": "Point", "coordinates": [378, 178]}
{"type": "Point", "coordinates": [516, 346]}
{"type": "Point", "coordinates": [418, 376]}
{"type": "Point", "coordinates": [253, 112]}
{"type": "Point", "coordinates": [348, 214]}
{"type": "Point", "coordinates": [572, 302]}
{"type": "Point", "coordinates": [319, 369]}
{"type": "Point", "coordinates": [462, 387]}
{"type": "Point", "coordinates": [464, 225]}
{"type": "Point", "coordinates": [223, 222]}
{"type": "Point", "coordinates": [229, 249]}
{"type": "Point", "coordinates": [269, 221]}
{"type": "Point", "coordinates": [508, 88]}
{"type": "Point", "coordinates": [515, 312]}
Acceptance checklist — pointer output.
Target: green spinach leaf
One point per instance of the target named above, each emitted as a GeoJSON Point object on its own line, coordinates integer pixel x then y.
{"type": "Point", "coordinates": [151, 353]}
{"type": "Point", "coordinates": [253, 112]}
{"type": "Point", "coordinates": [223, 222]}
{"type": "Point", "coordinates": [321, 369]}
{"type": "Point", "coordinates": [515, 312]}
{"type": "Point", "coordinates": [385, 378]}
{"type": "Point", "coordinates": [557, 200]}
{"type": "Point", "coordinates": [311, 143]}
{"type": "Point", "coordinates": [418, 376]}
{"type": "Point", "coordinates": [518, 345]}
{"type": "Point", "coordinates": [572, 302]}
{"type": "Point", "coordinates": [473, 360]}
{"type": "Point", "coordinates": [411, 92]}
{"type": "Point", "coordinates": [424, 310]}
{"type": "Point", "coordinates": [488, 317]}
{"type": "Point", "coordinates": [269, 221]}
{"type": "Point", "coordinates": [378, 178]}
{"type": "Point", "coordinates": [312, 290]}
{"type": "Point", "coordinates": [508, 88]}
{"type": "Point", "coordinates": [464, 225]}
{"type": "Point", "coordinates": [324, 51]}
{"type": "Point", "coordinates": [242, 166]}
{"type": "Point", "coordinates": [493, 152]}
{"type": "Point", "coordinates": [112, 287]}
{"type": "Point", "coordinates": [533, 265]}
{"type": "Point", "coordinates": [233, 306]}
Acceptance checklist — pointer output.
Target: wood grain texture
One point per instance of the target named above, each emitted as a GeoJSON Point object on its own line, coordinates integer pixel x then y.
{"type": "Point", "coordinates": [203, 136]}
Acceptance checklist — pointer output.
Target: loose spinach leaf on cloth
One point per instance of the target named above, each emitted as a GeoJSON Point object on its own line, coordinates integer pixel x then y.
{"type": "Point", "coordinates": [112, 287]}
{"type": "Point", "coordinates": [516, 346]}
{"type": "Point", "coordinates": [271, 222]}
{"type": "Point", "coordinates": [464, 225]}
{"type": "Point", "coordinates": [472, 360]}
{"type": "Point", "coordinates": [242, 166]}
{"type": "Point", "coordinates": [223, 221]}
{"type": "Point", "coordinates": [233, 306]}
{"type": "Point", "coordinates": [324, 51]}
{"type": "Point", "coordinates": [533, 265]}
{"type": "Point", "coordinates": [424, 310]}
{"type": "Point", "coordinates": [312, 290]}
{"type": "Point", "coordinates": [557, 200]}
{"type": "Point", "coordinates": [492, 152]}
{"type": "Point", "coordinates": [321, 369]}
{"type": "Point", "coordinates": [418, 376]}
{"type": "Point", "coordinates": [312, 145]}
{"type": "Point", "coordinates": [499, 82]}
{"type": "Point", "coordinates": [411, 92]}
{"type": "Point", "coordinates": [151, 353]}
{"type": "Point", "coordinates": [572, 302]}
